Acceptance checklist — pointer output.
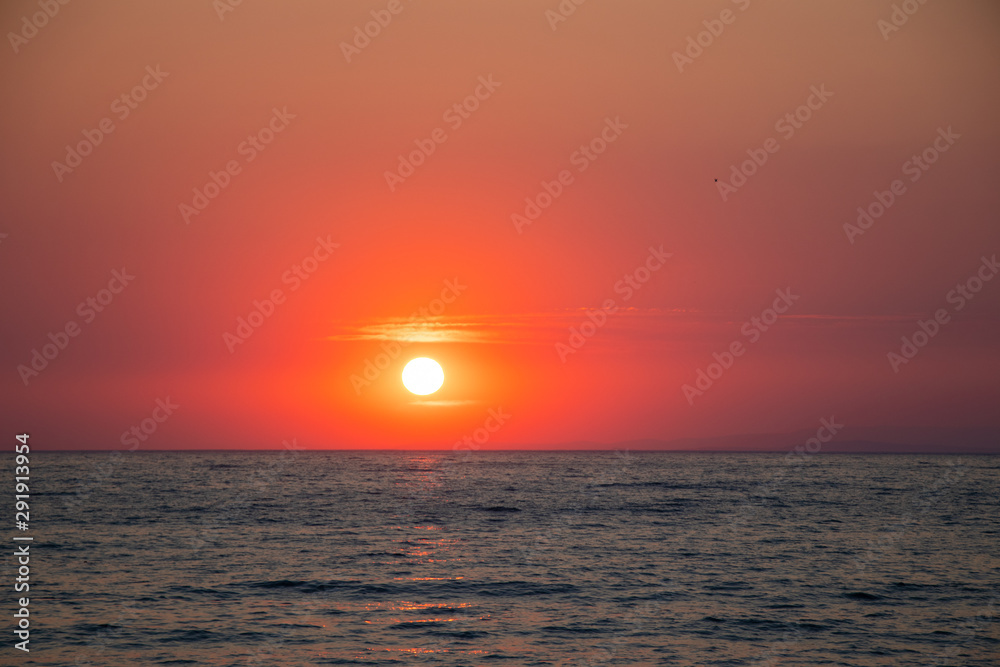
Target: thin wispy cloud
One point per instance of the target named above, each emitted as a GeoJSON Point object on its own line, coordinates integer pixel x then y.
{"type": "Point", "coordinates": [544, 327]}
{"type": "Point", "coordinates": [447, 403]}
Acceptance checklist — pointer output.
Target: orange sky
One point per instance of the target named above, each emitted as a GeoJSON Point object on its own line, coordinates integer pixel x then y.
{"type": "Point", "coordinates": [593, 117]}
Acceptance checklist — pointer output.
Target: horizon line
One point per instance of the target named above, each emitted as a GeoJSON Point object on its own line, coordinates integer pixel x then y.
{"type": "Point", "coordinates": [544, 451]}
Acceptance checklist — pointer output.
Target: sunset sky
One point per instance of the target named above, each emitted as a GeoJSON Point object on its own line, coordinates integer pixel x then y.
{"type": "Point", "coordinates": [611, 122]}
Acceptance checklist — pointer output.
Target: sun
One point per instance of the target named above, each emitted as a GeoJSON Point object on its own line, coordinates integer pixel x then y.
{"type": "Point", "coordinates": [423, 376]}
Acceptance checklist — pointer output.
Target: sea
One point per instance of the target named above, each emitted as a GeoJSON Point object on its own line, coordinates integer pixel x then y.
{"type": "Point", "coordinates": [510, 558]}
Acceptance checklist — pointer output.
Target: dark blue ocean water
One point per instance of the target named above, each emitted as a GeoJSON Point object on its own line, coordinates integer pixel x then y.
{"type": "Point", "coordinates": [345, 558]}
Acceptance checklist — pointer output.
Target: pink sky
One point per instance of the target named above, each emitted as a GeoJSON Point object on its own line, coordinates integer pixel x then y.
{"type": "Point", "coordinates": [531, 99]}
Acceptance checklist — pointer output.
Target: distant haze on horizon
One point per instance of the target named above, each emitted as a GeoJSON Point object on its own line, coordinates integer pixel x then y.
{"type": "Point", "coordinates": [607, 232]}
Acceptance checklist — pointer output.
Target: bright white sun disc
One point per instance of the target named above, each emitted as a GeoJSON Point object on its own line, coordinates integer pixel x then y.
{"type": "Point", "coordinates": [423, 376]}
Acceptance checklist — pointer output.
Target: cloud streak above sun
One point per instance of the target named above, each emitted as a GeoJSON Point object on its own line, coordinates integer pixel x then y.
{"type": "Point", "coordinates": [523, 328]}
{"type": "Point", "coordinates": [545, 328]}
